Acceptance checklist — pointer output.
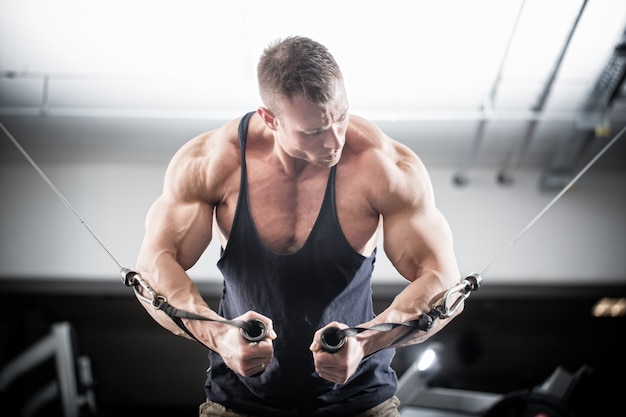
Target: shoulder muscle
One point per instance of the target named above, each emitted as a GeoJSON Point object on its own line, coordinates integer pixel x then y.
{"type": "Point", "coordinates": [396, 176]}
{"type": "Point", "coordinates": [201, 168]}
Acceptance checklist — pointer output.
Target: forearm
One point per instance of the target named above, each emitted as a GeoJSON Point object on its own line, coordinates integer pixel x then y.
{"type": "Point", "coordinates": [168, 279]}
{"type": "Point", "coordinates": [417, 299]}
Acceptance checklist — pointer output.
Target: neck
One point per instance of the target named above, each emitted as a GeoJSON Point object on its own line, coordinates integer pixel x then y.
{"type": "Point", "coordinates": [294, 166]}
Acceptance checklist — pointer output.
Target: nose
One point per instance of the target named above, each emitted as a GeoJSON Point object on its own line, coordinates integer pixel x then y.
{"type": "Point", "coordinates": [335, 138]}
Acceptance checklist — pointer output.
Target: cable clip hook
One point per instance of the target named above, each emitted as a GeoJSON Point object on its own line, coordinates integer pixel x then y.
{"type": "Point", "coordinates": [462, 291]}
{"type": "Point", "coordinates": [131, 278]}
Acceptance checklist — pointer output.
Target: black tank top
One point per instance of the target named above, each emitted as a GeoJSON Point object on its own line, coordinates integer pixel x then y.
{"type": "Point", "coordinates": [326, 280]}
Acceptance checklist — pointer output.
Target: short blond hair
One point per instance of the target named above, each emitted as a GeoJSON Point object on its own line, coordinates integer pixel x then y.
{"type": "Point", "coordinates": [293, 66]}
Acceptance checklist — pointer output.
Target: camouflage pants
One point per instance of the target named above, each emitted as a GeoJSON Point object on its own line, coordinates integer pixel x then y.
{"type": "Point", "coordinates": [388, 408]}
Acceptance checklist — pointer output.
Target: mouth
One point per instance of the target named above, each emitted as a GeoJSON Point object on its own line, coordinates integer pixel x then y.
{"type": "Point", "coordinates": [331, 157]}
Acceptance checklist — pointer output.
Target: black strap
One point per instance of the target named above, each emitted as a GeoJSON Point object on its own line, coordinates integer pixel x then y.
{"type": "Point", "coordinates": [177, 316]}
{"type": "Point", "coordinates": [334, 338]}
{"type": "Point", "coordinates": [251, 330]}
{"type": "Point", "coordinates": [424, 323]}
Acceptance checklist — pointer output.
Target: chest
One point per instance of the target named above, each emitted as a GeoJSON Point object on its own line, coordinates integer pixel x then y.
{"type": "Point", "coordinates": [284, 209]}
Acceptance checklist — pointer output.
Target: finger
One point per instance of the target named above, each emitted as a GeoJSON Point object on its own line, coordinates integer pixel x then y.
{"type": "Point", "coordinates": [257, 369]}
{"type": "Point", "coordinates": [332, 376]}
{"type": "Point", "coordinates": [272, 334]}
{"type": "Point", "coordinates": [315, 346]}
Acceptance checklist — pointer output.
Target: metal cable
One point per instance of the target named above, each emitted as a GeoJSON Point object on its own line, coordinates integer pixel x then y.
{"type": "Point", "coordinates": [58, 193]}
{"type": "Point", "coordinates": [554, 200]}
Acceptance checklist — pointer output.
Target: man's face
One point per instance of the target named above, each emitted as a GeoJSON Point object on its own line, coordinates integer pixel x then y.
{"type": "Point", "coordinates": [311, 132]}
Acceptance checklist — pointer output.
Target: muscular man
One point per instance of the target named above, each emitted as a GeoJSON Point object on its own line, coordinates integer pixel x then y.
{"type": "Point", "coordinates": [299, 193]}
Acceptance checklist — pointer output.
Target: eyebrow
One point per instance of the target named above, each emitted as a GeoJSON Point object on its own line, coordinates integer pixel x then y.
{"type": "Point", "coordinates": [323, 128]}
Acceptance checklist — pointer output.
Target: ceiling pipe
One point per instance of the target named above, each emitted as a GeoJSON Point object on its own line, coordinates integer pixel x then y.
{"type": "Point", "coordinates": [208, 113]}
{"type": "Point", "coordinates": [505, 176]}
{"type": "Point", "coordinates": [593, 121]}
{"type": "Point", "coordinates": [486, 109]}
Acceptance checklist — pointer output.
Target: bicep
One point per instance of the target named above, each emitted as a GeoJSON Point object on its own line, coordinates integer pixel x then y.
{"type": "Point", "coordinates": [418, 239]}
{"type": "Point", "coordinates": [181, 228]}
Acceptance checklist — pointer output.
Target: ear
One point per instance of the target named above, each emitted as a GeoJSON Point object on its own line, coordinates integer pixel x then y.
{"type": "Point", "coordinates": [268, 118]}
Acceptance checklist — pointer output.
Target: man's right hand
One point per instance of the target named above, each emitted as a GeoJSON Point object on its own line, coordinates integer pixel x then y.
{"type": "Point", "coordinates": [243, 357]}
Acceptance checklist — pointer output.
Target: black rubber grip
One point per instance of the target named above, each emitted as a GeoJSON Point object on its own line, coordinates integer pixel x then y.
{"type": "Point", "coordinates": [333, 339]}
{"type": "Point", "coordinates": [253, 330]}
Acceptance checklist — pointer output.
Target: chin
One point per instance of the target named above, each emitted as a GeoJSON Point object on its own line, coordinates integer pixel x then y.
{"type": "Point", "coordinates": [327, 163]}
